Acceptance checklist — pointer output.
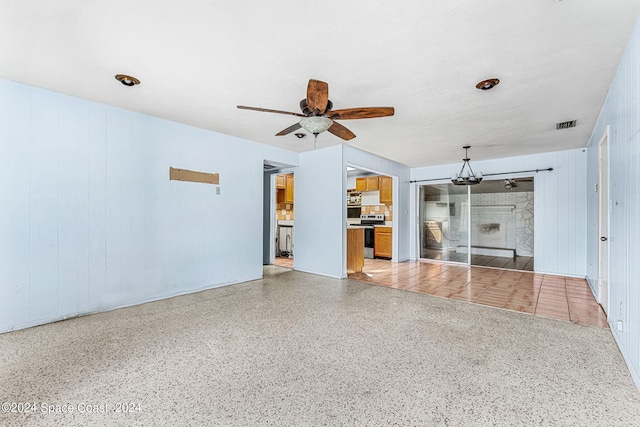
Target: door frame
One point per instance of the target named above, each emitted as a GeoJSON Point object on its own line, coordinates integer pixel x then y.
{"type": "Point", "coordinates": [469, 212]}
{"type": "Point", "coordinates": [604, 211]}
{"type": "Point", "coordinates": [419, 225]}
{"type": "Point", "coordinates": [395, 246]}
{"type": "Point", "coordinates": [269, 223]}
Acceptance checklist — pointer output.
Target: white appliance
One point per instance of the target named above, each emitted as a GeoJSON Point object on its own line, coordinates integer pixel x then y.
{"type": "Point", "coordinates": [285, 241]}
{"type": "Point", "coordinates": [368, 221]}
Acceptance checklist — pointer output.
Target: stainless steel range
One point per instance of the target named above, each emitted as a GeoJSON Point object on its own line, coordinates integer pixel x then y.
{"type": "Point", "coordinates": [368, 221]}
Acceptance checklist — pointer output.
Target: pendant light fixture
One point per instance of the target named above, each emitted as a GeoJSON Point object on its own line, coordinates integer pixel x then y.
{"type": "Point", "coordinates": [468, 177]}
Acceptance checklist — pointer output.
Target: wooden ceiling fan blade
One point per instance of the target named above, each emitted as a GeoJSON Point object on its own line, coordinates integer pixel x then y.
{"type": "Point", "coordinates": [341, 132]}
{"type": "Point", "coordinates": [267, 110]}
{"type": "Point", "coordinates": [289, 129]}
{"type": "Point", "coordinates": [317, 96]}
{"type": "Point", "coordinates": [361, 113]}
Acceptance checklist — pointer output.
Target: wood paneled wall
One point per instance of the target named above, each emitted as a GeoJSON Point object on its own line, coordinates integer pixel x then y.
{"type": "Point", "coordinates": [621, 112]}
{"type": "Point", "coordinates": [559, 205]}
{"type": "Point", "coordinates": [90, 221]}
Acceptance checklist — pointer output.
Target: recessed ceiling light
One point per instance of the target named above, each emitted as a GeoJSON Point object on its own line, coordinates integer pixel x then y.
{"type": "Point", "coordinates": [487, 84]}
{"type": "Point", "coordinates": [127, 80]}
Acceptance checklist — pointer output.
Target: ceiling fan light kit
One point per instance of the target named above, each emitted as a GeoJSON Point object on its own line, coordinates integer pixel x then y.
{"type": "Point", "coordinates": [508, 184]}
{"type": "Point", "coordinates": [318, 114]}
{"type": "Point", "coordinates": [316, 124]}
{"type": "Point", "coordinates": [127, 80]}
{"type": "Point", "coordinates": [468, 177]}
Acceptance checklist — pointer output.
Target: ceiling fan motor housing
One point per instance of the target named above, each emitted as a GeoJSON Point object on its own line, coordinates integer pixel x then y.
{"type": "Point", "coordinates": [304, 107]}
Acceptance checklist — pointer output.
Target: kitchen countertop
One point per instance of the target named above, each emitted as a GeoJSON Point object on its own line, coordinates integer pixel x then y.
{"type": "Point", "coordinates": [286, 223]}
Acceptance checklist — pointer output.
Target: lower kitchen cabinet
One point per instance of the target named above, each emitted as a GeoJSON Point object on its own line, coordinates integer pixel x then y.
{"type": "Point", "coordinates": [382, 242]}
{"type": "Point", "coordinates": [355, 250]}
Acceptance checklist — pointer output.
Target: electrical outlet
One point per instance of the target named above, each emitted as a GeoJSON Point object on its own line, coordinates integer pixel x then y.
{"type": "Point", "coordinates": [620, 326]}
{"type": "Point", "coordinates": [218, 191]}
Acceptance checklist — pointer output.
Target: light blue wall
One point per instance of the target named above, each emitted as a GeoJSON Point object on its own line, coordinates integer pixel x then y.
{"type": "Point", "coordinates": [560, 221]}
{"type": "Point", "coordinates": [320, 194]}
{"type": "Point", "coordinates": [319, 214]}
{"type": "Point", "coordinates": [622, 114]}
{"type": "Point", "coordinates": [89, 220]}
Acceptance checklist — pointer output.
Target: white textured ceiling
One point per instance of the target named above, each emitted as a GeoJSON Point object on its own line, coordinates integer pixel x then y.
{"type": "Point", "coordinates": [198, 59]}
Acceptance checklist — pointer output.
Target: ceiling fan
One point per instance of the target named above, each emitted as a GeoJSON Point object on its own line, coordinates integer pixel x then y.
{"type": "Point", "coordinates": [513, 182]}
{"type": "Point", "coordinates": [317, 115]}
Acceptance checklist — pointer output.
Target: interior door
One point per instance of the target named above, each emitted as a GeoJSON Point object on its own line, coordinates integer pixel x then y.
{"type": "Point", "coordinates": [603, 246]}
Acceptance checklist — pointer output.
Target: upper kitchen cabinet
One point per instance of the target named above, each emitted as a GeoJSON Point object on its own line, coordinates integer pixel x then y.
{"type": "Point", "coordinates": [381, 183]}
{"type": "Point", "coordinates": [386, 190]}
{"type": "Point", "coordinates": [372, 183]}
{"type": "Point", "coordinates": [284, 188]}
{"type": "Point", "coordinates": [288, 189]}
{"type": "Point", "coordinates": [369, 183]}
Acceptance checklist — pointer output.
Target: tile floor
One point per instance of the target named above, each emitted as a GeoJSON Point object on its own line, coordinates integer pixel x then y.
{"type": "Point", "coordinates": [284, 262]}
{"type": "Point", "coordinates": [558, 297]}
{"type": "Point", "coordinates": [518, 263]}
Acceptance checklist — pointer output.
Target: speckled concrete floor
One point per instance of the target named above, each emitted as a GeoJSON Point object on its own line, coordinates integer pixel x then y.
{"type": "Point", "coordinates": [303, 350]}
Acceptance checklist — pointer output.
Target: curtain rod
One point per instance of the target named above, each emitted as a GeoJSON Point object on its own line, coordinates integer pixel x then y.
{"type": "Point", "coordinates": [487, 174]}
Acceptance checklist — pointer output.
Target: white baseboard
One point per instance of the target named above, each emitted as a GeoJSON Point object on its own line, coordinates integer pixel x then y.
{"type": "Point", "coordinates": [52, 319]}
{"type": "Point", "coordinates": [625, 356]}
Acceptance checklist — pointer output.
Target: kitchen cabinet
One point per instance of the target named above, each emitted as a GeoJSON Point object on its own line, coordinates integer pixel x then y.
{"type": "Point", "coordinates": [284, 188]}
{"type": "Point", "coordinates": [382, 242]}
{"type": "Point", "coordinates": [288, 189]}
{"type": "Point", "coordinates": [386, 190]}
{"type": "Point", "coordinates": [369, 183]}
{"type": "Point", "coordinates": [355, 250]}
{"type": "Point", "coordinates": [372, 183]}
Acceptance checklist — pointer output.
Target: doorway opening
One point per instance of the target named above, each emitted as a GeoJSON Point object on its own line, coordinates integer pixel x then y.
{"type": "Point", "coordinates": [490, 224]}
{"type": "Point", "coordinates": [370, 228]}
{"type": "Point", "coordinates": [278, 214]}
{"type": "Point", "coordinates": [284, 214]}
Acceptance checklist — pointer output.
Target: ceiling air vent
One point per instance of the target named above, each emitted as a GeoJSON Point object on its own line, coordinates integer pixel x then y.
{"type": "Point", "coordinates": [566, 125]}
